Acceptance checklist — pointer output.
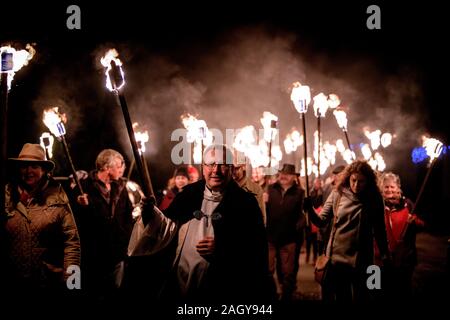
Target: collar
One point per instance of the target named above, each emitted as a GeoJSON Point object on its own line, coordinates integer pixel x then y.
{"type": "Point", "coordinates": [215, 196]}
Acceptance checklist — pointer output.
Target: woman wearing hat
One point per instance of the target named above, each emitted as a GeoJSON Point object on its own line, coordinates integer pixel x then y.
{"type": "Point", "coordinates": [180, 180]}
{"type": "Point", "coordinates": [39, 235]}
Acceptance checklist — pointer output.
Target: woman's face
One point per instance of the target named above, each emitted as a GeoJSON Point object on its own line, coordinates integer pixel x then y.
{"type": "Point", "coordinates": [391, 191]}
{"type": "Point", "coordinates": [181, 181]}
{"type": "Point", "coordinates": [357, 183]}
{"type": "Point", "coordinates": [31, 174]}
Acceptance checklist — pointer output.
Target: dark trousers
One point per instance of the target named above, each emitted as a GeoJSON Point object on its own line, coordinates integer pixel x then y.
{"type": "Point", "coordinates": [344, 283]}
{"type": "Point", "coordinates": [284, 257]}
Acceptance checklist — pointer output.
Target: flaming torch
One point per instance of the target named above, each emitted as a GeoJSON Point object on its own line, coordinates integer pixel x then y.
{"type": "Point", "coordinates": [141, 139]}
{"type": "Point", "coordinates": [301, 97]}
{"type": "Point", "coordinates": [341, 118]}
{"type": "Point", "coordinates": [115, 82]}
{"type": "Point", "coordinates": [47, 141]}
{"type": "Point", "coordinates": [55, 123]}
{"type": "Point", "coordinates": [198, 135]}
{"type": "Point", "coordinates": [269, 122]}
{"type": "Point", "coordinates": [12, 60]}
{"type": "Point", "coordinates": [320, 109]}
{"type": "Point", "coordinates": [433, 148]}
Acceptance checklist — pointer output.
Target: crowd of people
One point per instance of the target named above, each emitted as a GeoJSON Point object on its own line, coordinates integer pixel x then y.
{"type": "Point", "coordinates": [229, 236]}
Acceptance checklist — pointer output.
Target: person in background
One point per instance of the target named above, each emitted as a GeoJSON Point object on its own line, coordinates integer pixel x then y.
{"type": "Point", "coordinates": [180, 180]}
{"type": "Point", "coordinates": [104, 213]}
{"type": "Point", "coordinates": [355, 209]}
{"type": "Point", "coordinates": [193, 173]}
{"type": "Point", "coordinates": [285, 224]}
{"type": "Point", "coordinates": [240, 176]}
{"type": "Point", "coordinates": [401, 228]}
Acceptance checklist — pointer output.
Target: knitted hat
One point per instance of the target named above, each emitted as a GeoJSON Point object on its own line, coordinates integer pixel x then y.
{"type": "Point", "coordinates": [181, 171]}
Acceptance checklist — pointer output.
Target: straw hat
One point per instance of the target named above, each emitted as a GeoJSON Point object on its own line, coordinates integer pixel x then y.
{"type": "Point", "coordinates": [33, 153]}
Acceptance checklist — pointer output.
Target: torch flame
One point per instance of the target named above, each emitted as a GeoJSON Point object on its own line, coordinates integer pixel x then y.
{"type": "Point", "coordinates": [330, 152]}
{"type": "Point", "coordinates": [341, 118]}
{"type": "Point", "coordinates": [320, 105]}
{"type": "Point", "coordinates": [374, 137]}
{"type": "Point", "coordinates": [365, 150]}
{"type": "Point", "coordinates": [268, 120]}
{"type": "Point", "coordinates": [348, 156]}
{"type": "Point", "coordinates": [309, 161]}
{"type": "Point", "coordinates": [197, 133]}
{"type": "Point", "coordinates": [433, 147]}
{"type": "Point", "coordinates": [380, 162]}
{"type": "Point", "coordinates": [197, 130]}
{"type": "Point", "coordinates": [55, 121]}
{"type": "Point", "coordinates": [18, 59]}
{"type": "Point", "coordinates": [141, 138]}
{"type": "Point", "coordinates": [386, 139]}
{"type": "Point", "coordinates": [293, 140]}
{"type": "Point", "coordinates": [47, 137]}
{"type": "Point", "coordinates": [244, 139]}
{"type": "Point", "coordinates": [333, 101]}
{"type": "Point", "coordinates": [301, 97]}
{"type": "Point", "coordinates": [112, 55]}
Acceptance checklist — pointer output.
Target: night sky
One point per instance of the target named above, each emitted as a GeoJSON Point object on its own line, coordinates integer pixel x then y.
{"type": "Point", "coordinates": [227, 62]}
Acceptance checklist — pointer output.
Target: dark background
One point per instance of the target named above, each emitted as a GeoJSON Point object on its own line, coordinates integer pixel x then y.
{"type": "Point", "coordinates": [328, 36]}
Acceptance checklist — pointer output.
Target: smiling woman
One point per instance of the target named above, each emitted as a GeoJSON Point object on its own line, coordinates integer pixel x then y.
{"type": "Point", "coordinates": [40, 240]}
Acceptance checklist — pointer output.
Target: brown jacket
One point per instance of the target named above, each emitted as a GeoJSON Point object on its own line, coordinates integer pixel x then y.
{"type": "Point", "coordinates": [41, 237]}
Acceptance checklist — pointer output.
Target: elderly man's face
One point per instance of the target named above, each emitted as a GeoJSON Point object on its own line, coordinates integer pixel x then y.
{"type": "Point", "coordinates": [215, 170]}
{"type": "Point", "coordinates": [286, 179]}
{"type": "Point", "coordinates": [31, 174]}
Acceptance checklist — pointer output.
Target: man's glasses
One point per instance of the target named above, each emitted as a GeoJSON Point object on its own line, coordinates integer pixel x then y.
{"type": "Point", "coordinates": [212, 166]}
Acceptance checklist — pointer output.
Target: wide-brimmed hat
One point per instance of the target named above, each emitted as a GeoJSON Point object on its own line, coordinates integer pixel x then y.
{"type": "Point", "coordinates": [33, 153]}
{"type": "Point", "coordinates": [288, 169]}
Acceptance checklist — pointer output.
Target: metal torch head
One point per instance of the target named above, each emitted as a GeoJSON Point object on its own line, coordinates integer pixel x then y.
{"type": "Point", "coordinates": [46, 141]}
{"type": "Point", "coordinates": [115, 75]}
{"type": "Point", "coordinates": [7, 61]}
{"type": "Point", "coordinates": [273, 124]}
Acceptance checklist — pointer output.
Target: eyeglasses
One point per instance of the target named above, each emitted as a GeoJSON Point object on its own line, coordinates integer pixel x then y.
{"type": "Point", "coordinates": [220, 166]}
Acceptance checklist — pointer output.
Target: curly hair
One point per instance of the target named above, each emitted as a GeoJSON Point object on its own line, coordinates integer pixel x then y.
{"type": "Point", "coordinates": [361, 167]}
